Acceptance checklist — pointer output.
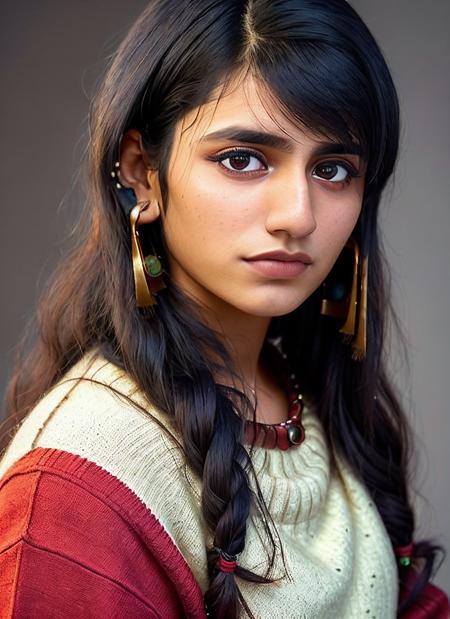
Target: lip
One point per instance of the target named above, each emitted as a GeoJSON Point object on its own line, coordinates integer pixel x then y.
{"type": "Point", "coordinates": [280, 264]}
{"type": "Point", "coordinates": [282, 256]}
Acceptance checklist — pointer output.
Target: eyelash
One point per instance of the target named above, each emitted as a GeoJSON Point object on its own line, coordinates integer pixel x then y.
{"type": "Point", "coordinates": [240, 151]}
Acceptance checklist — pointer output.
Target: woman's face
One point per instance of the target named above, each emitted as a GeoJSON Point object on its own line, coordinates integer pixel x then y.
{"type": "Point", "coordinates": [232, 199]}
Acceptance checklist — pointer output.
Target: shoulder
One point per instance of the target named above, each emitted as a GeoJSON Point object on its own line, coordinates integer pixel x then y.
{"type": "Point", "coordinates": [63, 516]}
{"type": "Point", "coordinates": [98, 413]}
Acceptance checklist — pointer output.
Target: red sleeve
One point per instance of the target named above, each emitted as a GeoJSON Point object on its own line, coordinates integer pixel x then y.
{"type": "Point", "coordinates": [433, 603]}
{"type": "Point", "coordinates": [76, 542]}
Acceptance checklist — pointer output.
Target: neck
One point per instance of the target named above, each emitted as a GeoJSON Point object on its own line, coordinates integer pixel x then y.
{"type": "Point", "coordinates": [243, 336]}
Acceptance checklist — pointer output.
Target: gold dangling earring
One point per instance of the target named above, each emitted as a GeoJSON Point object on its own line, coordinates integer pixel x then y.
{"type": "Point", "coordinates": [359, 343]}
{"type": "Point", "coordinates": [350, 307]}
{"type": "Point", "coordinates": [144, 269]}
{"type": "Point", "coordinates": [349, 326]}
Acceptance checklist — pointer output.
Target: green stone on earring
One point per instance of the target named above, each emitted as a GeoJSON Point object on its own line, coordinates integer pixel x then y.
{"type": "Point", "coordinates": [153, 266]}
{"type": "Point", "coordinates": [405, 561]}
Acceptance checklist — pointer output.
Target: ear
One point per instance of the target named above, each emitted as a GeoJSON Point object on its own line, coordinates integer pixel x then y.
{"type": "Point", "coordinates": [135, 173]}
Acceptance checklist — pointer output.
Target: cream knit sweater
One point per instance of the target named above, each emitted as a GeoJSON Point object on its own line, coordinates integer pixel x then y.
{"type": "Point", "coordinates": [338, 556]}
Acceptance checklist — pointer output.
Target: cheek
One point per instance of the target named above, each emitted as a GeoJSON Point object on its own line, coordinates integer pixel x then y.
{"type": "Point", "coordinates": [336, 228]}
{"type": "Point", "coordinates": [206, 215]}
{"type": "Point", "coordinates": [194, 233]}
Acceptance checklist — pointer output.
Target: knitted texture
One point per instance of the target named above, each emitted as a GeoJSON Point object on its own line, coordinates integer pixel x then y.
{"type": "Point", "coordinates": [337, 553]}
{"type": "Point", "coordinates": [77, 542]}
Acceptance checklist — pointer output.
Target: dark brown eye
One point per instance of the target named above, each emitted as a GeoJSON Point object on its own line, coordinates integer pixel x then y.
{"type": "Point", "coordinates": [334, 172]}
{"type": "Point", "coordinates": [328, 171]}
{"type": "Point", "coordinates": [243, 161]}
{"type": "Point", "coordinates": [239, 162]}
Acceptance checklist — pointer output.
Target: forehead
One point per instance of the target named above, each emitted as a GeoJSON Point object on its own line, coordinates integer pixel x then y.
{"type": "Point", "coordinates": [245, 102]}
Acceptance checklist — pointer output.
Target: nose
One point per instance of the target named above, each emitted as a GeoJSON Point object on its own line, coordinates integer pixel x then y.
{"type": "Point", "coordinates": [290, 207]}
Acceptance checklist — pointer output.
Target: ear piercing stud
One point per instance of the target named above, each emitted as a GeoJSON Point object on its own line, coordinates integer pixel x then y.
{"type": "Point", "coordinates": [115, 174]}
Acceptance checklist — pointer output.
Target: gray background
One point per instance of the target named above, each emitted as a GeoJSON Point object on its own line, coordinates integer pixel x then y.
{"type": "Point", "coordinates": [52, 54]}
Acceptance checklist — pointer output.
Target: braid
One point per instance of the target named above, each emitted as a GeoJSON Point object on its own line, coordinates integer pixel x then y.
{"type": "Point", "coordinates": [214, 446]}
{"type": "Point", "coordinates": [212, 439]}
{"type": "Point", "coordinates": [226, 502]}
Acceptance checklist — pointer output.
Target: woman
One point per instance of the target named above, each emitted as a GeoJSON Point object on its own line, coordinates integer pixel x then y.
{"type": "Point", "coordinates": [207, 423]}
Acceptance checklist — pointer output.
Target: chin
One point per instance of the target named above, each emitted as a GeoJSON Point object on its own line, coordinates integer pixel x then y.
{"type": "Point", "coordinates": [275, 306]}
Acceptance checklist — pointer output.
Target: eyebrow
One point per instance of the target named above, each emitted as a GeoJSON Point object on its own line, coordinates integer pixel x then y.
{"type": "Point", "coordinates": [262, 138]}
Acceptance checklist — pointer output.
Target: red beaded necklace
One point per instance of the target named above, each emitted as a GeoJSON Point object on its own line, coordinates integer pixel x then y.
{"type": "Point", "coordinates": [288, 433]}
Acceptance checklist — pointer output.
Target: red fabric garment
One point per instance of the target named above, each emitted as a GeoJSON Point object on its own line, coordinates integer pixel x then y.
{"type": "Point", "coordinates": [432, 604]}
{"type": "Point", "coordinates": [77, 542]}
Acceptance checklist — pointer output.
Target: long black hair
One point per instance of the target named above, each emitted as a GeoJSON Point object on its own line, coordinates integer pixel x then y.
{"type": "Point", "coordinates": [324, 69]}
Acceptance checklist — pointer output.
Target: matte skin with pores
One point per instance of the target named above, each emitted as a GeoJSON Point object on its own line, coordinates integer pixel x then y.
{"type": "Point", "coordinates": [256, 199]}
